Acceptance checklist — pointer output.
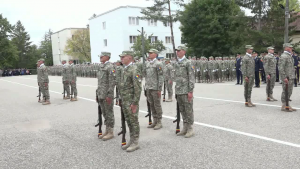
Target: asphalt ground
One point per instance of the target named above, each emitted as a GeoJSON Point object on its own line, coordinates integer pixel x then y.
{"type": "Point", "coordinates": [227, 134]}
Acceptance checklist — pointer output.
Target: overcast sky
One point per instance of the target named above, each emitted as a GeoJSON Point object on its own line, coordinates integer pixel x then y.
{"type": "Point", "coordinates": [38, 16]}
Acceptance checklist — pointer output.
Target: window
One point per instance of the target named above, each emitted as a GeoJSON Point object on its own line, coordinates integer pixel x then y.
{"type": "Point", "coordinates": [153, 39]}
{"type": "Point", "coordinates": [133, 21]}
{"type": "Point", "coordinates": [168, 39]}
{"type": "Point", "coordinates": [170, 55]}
{"type": "Point", "coordinates": [105, 42]}
{"type": "Point", "coordinates": [132, 39]}
{"type": "Point", "coordinates": [104, 25]}
{"type": "Point", "coordinates": [152, 22]}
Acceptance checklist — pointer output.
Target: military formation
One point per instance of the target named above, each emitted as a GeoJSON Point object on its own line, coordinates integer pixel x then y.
{"type": "Point", "coordinates": [122, 81]}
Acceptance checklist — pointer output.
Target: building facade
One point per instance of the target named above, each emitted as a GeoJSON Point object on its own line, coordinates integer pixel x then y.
{"type": "Point", "coordinates": [116, 30]}
{"type": "Point", "coordinates": [59, 42]}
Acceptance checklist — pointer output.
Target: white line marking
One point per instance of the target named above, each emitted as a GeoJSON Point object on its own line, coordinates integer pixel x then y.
{"type": "Point", "coordinates": [197, 123]}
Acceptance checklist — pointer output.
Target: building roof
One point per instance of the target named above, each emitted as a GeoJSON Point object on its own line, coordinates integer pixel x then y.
{"type": "Point", "coordinates": [67, 29]}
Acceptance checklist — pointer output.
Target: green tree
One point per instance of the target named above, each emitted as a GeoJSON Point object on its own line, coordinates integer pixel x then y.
{"type": "Point", "coordinates": [35, 54]}
{"type": "Point", "coordinates": [215, 28]}
{"type": "Point", "coordinates": [21, 39]}
{"type": "Point", "coordinates": [45, 48]}
{"type": "Point", "coordinates": [8, 51]}
{"type": "Point", "coordinates": [79, 45]}
{"type": "Point", "coordinates": [294, 5]}
{"type": "Point", "coordinates": [137, 46]}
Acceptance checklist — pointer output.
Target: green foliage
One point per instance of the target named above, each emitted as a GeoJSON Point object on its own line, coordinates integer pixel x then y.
{"type": "Point", "coordinates": [79, 46]}
{"type": "Point", "coordinates": [137, 47]}
{"type": "Point", "coordinates": [45, 48]}
{"type": "Point", "coordinates": [294, 5]}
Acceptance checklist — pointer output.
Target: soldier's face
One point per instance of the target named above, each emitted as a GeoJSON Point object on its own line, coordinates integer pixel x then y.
{"type": "Point", "coordinates": [103, 59]}
{"type": "Point", "coordinates": [127, 59]}
{"type": "Point", "coordinates": [180, 53]}
{"type": "Point", "coordinates": [152, 56]}
{"type": "Point", "coordinates": [63, 63]}
{"type": "Point", "coordinates": [271, 51]}
{"type": "Point", "coordinates": [249, 51]}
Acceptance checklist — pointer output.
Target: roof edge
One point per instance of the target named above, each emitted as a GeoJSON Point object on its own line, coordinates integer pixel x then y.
{"type": "Point", "coordinates": [67, 29]}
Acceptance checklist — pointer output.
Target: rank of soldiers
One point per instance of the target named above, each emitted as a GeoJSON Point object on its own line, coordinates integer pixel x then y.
{"type": "Point", "coordinates": [127, 74]}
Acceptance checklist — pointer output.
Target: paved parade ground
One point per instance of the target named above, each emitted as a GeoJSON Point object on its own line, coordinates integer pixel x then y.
{"type": "Point", "coordinates": [227, 134]}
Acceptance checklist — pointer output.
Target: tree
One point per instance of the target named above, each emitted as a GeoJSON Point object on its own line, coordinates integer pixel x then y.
{"type": "Point", "coordinates": [215, 28]}
{"type": "Point", "coordinates": [137, 46]}
{"type": "Point", "coordinates": [35, 54]}
{"type": "Point", "coordinates": [45, 48]}
{"type": "Point", "coordinates": [158, 13]}
{"type": "Point", "coordinates": [79, 45]}
{"type": "Point", "coordinates": [294, 5]}
{"type": "Point", "coordinates": [8, 51]}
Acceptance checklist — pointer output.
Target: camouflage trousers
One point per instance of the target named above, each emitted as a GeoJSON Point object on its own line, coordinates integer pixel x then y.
{"type": "Point", "coordinates": [169, 87]}
{"type": "Point", "coordinates": [132, 119]}
{"type": "Point", "coordinates": [155, 103]}
{"type": "Point", "coordinates": [73, 88]}
{"type": "Point", "coordinates": [45, 90]}
{"type": "Point", "coordinates": [220, 75]}
{"type": "Point", "coordinates": [248, 91]}
{"type": "Point", "coordinates": [210, 75]}
{"type": "Point", "coordinates": [186, 108]}
{"type": "Point", "coordinates": [66, 87]}
{"type": "Point", "coordinates": [272, 84]}
{"type": "Point", "coordinates": [107, 112]}
{"type": "Point", "coordinates": [290, 90]}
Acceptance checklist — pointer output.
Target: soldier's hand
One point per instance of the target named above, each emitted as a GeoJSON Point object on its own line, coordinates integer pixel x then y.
{"type": "Point", "coordinates": [170, 82]}
{"type": "Point", "coordinates": [190, 96]}
{"type": "Point", "coordinates": [46, 84]}
{"type": "Point", "coordinates": [133, 108]}
{"type": "Point", "coordinates": [269, 77]}
{"type": "Point", "coordinates": [108, 100]}
{"type": "Point", "coordinates": [286, 81]}
{"type": "Point", "coordinates": [159, 94]}
{"type": "Point", "coordinates": [246, 79]}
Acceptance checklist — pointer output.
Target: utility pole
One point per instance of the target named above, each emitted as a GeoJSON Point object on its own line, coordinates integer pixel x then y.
{"type": "Point", "coordinates": [287, 16]}
{"type": "Point", "coordinates": [171, 26]}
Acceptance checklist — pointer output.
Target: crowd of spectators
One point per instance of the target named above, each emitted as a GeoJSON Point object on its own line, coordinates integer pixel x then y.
{"type": "Point", "coordinates": [14, 72]}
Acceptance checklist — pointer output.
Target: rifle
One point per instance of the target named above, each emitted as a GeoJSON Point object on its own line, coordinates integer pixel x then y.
{"type": "Point", "coordinates": [64, 91]}
{"type": "Point", "coordinates": [117, 96]}
{"type": "Point", "coordinates": [164, 98]}
{"type": "Point", "coordinates": [72, 93]}
{"type": "Point", "coordinates": [177, 118]}
{"type": "Point", "coordinates": [269, 88]}
{"type": "Point", "coordinates": [123, 131]}
{"type": "Point", "coordinates": [99, 117]}
{"type": "Point", "coordinates": [148, 107]}
{"type": "Point", "coordinates": [287, 106]}
{"type": "Point", "coordinates": [246, 92]}
{"type": "Point", "coordinates": [39, 96]}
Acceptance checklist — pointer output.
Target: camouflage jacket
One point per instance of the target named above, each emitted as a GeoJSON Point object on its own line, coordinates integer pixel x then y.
{"type": "Point", "coordinates": [270, 64]}
{"type": "Point", "coordinates": [139, 68]}
{"type": "Point", "coordinates": [130, 85]}
{"type": "Point", "coordinates": [185, 77]}
{"type": "Point", "coordinates": [65, 73]}
{"type": "Point", "coordinates": [154, 75]}
{"type": "Point", "coordinates": [119, 70]}
{"type": "Point", "coordinates": [43, 74]}
{"type": "Point", "coordinates": [169, 72]}
{"type": "Point", "coordinates": [106, 81]}
{"type": "Point", "coordinates": [286, 66]}
{"type": "Point", "coordinates": [210, 65]}
{"type": "Point", "coordinates": [72, 76]}
{"type": "Point", "coordinates": [248, 66]}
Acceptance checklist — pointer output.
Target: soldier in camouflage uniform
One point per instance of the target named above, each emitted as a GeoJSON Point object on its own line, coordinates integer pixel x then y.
{"type": "Point", "coordinates": [119, 69]}
{"type": "Point", "coordinates": [65, 79]}
{"type": "Point", "coordinates": [184, 91]}
{"type": "Point", "coordinates": [105, 93]}
{"type": "Point", "coordinates": [248, 69]}
{"type": "Point", "coordinates": [287, 74]}
{"type": "Point", "coordinates": [130, 90]}
{"type": "Point", "coordinates": [44, 81]}
{"type": "Point", "coordinates": [155, 79]}
{"type": "Point", "coordinates": [270, 69]}
{"type": "Point", "coordinates": [169, 78]}
{"type": "Point", "coordinates": [211, 69]}
{"type": "Point", "coordinates": [39, 81]}
{"type": "Point", "coordinates": [72, 76]}
{"type": "Point", "coordinates": [231, 68]}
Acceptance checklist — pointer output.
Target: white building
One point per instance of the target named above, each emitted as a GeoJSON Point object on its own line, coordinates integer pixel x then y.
{"type": "Point", "coordinates": [59, 42]}
{"type": "Point", "coordinates": [116, 30]}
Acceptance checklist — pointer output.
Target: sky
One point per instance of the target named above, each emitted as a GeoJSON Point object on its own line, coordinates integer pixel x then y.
{"type": "Point", "coordinates": [38, 16]}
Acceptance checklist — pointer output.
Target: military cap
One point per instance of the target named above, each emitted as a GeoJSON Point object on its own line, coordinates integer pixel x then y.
{"type": "Point", "coordinates": [153, 51]}
{"type": "Point", "coordinates": [287, 45]}
{"type": "Point", "coordinates": [105, 54]}
{"type": "Point", "coordinates": [64, 61]}
{"type": "Point", "coordinates": [128, 52]}
{"type": "Point", "coordinates": [248, 47]}
{"type": "Point", "coordinates": [270, 48]}
{"type": "Point", "coordinates": [254, 52]}
{"type": "Point", "coordinates": [71, 60]}
{"type": "Point", "coordinates": [42, 60]}
{"type": "Point", "coordinates": [118, 61]}
{"type": "Point", "coordinates": [121, 55]}
{"type": "Point", "coordinates": [167, 59]}
{"type": "Point", "coordinates": [182, 48]}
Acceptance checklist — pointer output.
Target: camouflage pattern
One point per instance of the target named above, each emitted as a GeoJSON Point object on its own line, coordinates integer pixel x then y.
{"type": "Point", "coordinates": [248, 70]}
{"type": "Point", "coordinates": [130, 90]}
{"type": "Point", "coordinates": [286, 70]}
{"type": "Point", "coordinates": [169, 77]}
{"type": "Point", "coordinates": [72, 76]}
{"type": "Point", "coordinates": [65, 78]}
{"type": "Point", "coordinates": [270, 69]}
{"type": "Point", "coordinates": [44, 81]}
{"type": "Point", "coordinates": [106, 86]}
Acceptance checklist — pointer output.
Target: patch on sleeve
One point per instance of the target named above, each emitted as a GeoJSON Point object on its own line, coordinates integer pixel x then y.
{"type": "Point", "coordinates": [113, 71]}
{"type": "Point", "coordinates": [159, 68]}
{"type": "Point", "coordinates": [137, 76]}
{"type": "Point", "coordinates": [193, 67]}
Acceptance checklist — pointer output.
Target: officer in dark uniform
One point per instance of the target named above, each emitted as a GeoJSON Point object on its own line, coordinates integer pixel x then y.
{"type": "Point", "coordinates": [258, 67]}
{"type": "Point", "coordinates": [239, 74]}
{"type": "Point", "coordinates": [277, 70]}
{"type": "Point", "coordinates": [262, 71]}
{"type": "Point", "coordinates": [296, 60]}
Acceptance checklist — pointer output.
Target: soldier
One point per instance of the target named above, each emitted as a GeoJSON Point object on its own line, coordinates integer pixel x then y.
{"type": "Point", "coordinates": [169, 76]}
{"type": "Point", "coordinates": [248, 67]}
{"type": "Point", "coordinates": [239, 75]}
{"type": "Point", "coordinates": [44, 81]}
{"type": "Point", "coordinates": [65, 79]}
{"type": "Point", "coordinates": [105, 93]}
{"type": "Point", "coordinates": [130, 90]}
{"type": "Point", "coordinates": [184, 91]}
{"type": "Point", "coordinates": [39, 81]}
{"type": "Point", "coordinates": [287, 74]}
{"type": "Point", "coordinates": [72, 76]}
{"type": "Point", "coordinates": [270, 69]}
{"type": "Point", "coordinates": [154, 77]}
{"type": "Point", "coordinates": [211, 69]}
{"type": "Point", "coordinates": [119, 69]}
{"type": "Point", "coordinates": [258, 69]}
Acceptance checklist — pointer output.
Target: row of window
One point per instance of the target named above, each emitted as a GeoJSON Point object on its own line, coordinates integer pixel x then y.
{"type": "Point", "coordinates": [153, 39]}
{"type": "Point", "coordinates": [136, 21]}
